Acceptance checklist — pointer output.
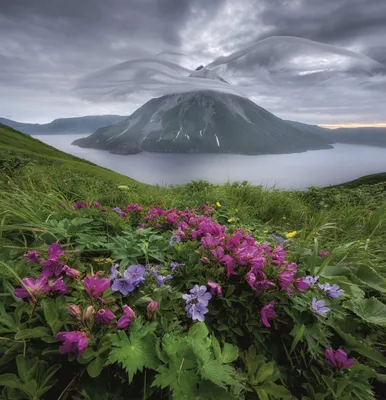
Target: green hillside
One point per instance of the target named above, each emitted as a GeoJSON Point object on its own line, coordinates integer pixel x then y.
{"type": "Point", "coordinates": [195, 291]}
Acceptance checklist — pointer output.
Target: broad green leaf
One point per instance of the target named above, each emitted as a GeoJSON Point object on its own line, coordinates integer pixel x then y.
{"type": "Point", "coordinates": [299, 334]}
{"type": "Point", "coordinates": [26, 368]}
{"type": "Point", "coordinates": [370, 310]}
{"type": "Point", "coordinates": [51, 315]}
{"type": "Point", "coordinates": [229, 353]}
{"type": "Point", "coordinates": [33, 333]}
{"type": "Point", "coordinates": [371, 278]}
{"type": "Point", "coordinates": [95, 367]}
{"type": "Point", "coordinates": [264, 373]}
{"type": "Point", "coordinates": [261, 393]}
{"type": "Point", "coordinates": [218, 373]}
{"type": "Point", "coordinates": [10, 380]}
{"type": "Point", "coordinates": [276, 391]}
{"type": "Point", "coordinates": [198, 331]}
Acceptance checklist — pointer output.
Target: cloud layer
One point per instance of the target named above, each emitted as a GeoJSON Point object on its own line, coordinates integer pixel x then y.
{"type": "Point", "coordinates": [46, 47]}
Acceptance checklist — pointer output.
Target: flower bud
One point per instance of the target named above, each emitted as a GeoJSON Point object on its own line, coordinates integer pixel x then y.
{"type": "Point", "coordinates": [74, 311]}
{"type": "Point", "coordinates": [71, 272]}
{"type": "Point", "coordinates": [88, 313]}
{"type": "Point", "coordinates": [204, 260]}
{"type": "Point", "coordinates": [129, 312]}
{"type": "Point", "coordinates": [151, 308]}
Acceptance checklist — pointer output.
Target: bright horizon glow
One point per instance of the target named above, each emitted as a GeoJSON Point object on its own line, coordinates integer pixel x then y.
{"type": "Point", "coordinates": [354, 125]}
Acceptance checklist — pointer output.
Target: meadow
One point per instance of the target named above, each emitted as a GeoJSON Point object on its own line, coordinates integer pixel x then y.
{"type": "Point", "coordinates": [112, 289]}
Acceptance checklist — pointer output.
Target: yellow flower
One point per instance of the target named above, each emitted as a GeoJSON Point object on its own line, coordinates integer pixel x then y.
{"type": "Point", "coordinates": [123, 187]}
{"type": "Point", "coordinates": [284, 217]}
{"type": "Point", "coordinates": [218, 204]}
{"type": "Point", "coordinates": [230, 220]}
{"type": "Point", "coordinates": [290, 234]}
{"type": "Point", "coordinates": [265, 231]}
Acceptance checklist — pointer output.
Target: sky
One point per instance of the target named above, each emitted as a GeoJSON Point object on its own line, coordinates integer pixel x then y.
{"type": "Point", "coordinates": [48, 46]}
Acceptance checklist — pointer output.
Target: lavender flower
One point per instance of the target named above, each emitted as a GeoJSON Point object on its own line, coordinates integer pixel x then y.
{"type": "Point", "coordinates": [332, 291]}
{"type": "Point", "coordinates": [311, 281]}
{"type": "Point", "coordinates": [174, 239]}
{"type": "Point", "coordinates": [135, 274]}
{"type": "Point", "coordinates": [122, 285]}
{"type": "Point", "coordinates": [175, 265]}
{"type": "Point", "coordinates": [319, 306]}
{"type": "Point", "coordinates": [114, 272]}
{"type": "Point", "coordinates": [161, 279]}
{"type": "Point", "coordinates": [338, 359]}
{"type": "Point", "coordinates": [196, 302]}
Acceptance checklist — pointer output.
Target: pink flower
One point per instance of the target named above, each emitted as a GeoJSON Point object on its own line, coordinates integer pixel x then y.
{"type": "Point", "coordinates": [257, 280]}
{"type": "Point", "coordinates": [97, 204]}
{"type": "Point", "coordinates": [204, 260]}
{"type": "Point", "coordinates": [57, 286]}
{"type": "Point", "coordinates": [74, 311]}
{"type": "Point", "coordinates": [151, 308]}
{"type": "Point", "coordinates": [74, 342]}
{"type": "Point", "coordinates": [103, 317]}
{"type": "Point", "coordinates": [338, 359]}
{"type": "Point", "coordinates": [95, 286]}
{"type": "Point", "coordinates": [124, 322]}
{"type": "Point", "coordinates": [324, 254]}
{"type": "Point", "coordinates": [129, 312]}
{"type": "Point", "coordinates": [215, 288]}
{"type": "Point", "coordinates": [267, 313]}
{"type": "Point", "coordinates": [71, 272]}
{"type": "Point", "coordinates": [278, 255]}
{"type": "Point", "coordinates": [300, 284]}
{"type": "Point", "coordinates": [287, 276]}
{"type": "Point", "coordinates": [32, 287]}
{"type": "Point", "coordinates": [32, 256]}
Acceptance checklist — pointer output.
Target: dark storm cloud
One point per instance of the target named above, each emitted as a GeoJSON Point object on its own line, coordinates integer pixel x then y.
{"type": "Point", "coordinates": [46, 45]}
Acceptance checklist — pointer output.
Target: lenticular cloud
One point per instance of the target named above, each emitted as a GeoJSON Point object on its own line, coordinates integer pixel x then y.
{"type": "Point", "coordinates": [292, 71]}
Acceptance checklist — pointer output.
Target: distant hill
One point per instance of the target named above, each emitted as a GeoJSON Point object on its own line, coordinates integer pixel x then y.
{"type": "Point", "coordinates": [203, 122]}
{"type": "Point", "coordinates": [75, 125]}
{"type": "Point", "coordinates": [360, 136]}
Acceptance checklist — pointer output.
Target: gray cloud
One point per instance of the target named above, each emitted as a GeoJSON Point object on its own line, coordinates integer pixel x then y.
{"type": "Point", "coordinates": [46, 46]}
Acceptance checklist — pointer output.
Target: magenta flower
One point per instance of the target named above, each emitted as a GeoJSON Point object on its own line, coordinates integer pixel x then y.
{"type": "Point", "coordinates": [323, 254]}
{"type": "Point", "coordinates": [97, 204]}
{"type": "Point", "coordinates": [257, 280]}
{"type": "Point", "coordinates": [32, 256]}
{"type": "Point", "coordinates": [71, 272]}
{"type": "Point", "coordinates": [57, 286]}
{"type": "Point", "coordinates": [204, 260]}
{"type": "Point", "coordinates": [55, 251]}
{"type": "Point", "coordinates": [215, 288]}
{"type": "Point", "coordinates": [74, 311]}
{"type": "Point", "coordinates": [278, 255]}
{"type": "Point", "coordinates": [300, 284]}
{"type": "Point", "coordinates": [124, 322]}
{"type": "Point", "coordinates": [103, 317]}
{"type": "Point", "coordinates": [94, 285]}
{"type": "Point", "coordinates": [32, 287]}
{"type": "Point", "coordinates": [74, 342]}
{"type": "Point", "coordinates": [267, 313]}
{"type": "Point", "coordinates": [286, 277]}
{"type": "Point", "coordinates": [338, 359]}
{"type": "Point", "coordinates": [151, 308]}
{"type": "Point", "coordinates": [129, 312]}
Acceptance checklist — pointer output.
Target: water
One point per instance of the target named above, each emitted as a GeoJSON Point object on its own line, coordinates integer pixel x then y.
{"type": "Point", "coordinates": [286, 171]}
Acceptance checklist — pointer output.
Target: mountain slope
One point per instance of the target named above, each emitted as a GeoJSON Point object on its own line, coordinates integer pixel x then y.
{"type": "Point", "coordinates": [87, 124]}
{"type": "Point", "coordinates": [206, 122]}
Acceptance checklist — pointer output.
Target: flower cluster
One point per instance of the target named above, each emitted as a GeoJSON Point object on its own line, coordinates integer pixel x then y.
{"type": "Point", "coordinates": [197, 302]}
{"type": "Point", "coordinates": [127, 282]}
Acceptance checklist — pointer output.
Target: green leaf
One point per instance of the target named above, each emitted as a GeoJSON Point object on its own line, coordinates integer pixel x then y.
{"type": "Point", "coordinates": [370, 310]}
{"type": "Point", "coordinates": [371, 278]}
{"type": "Point", "coordinates": [95, 367]}
{"type": "Point", "coordinates": [276, 391]}
{"type": "Point", "coordinates": [10, 380]}
{"type": "Point", "coordinates": [238, 331]}
{"type": "Point", "coordinates": [264, 373]}
{"type": "Point", "coordinates": [26, 368]}
{"type": "Point", "coordinates": [198, 331]}
{"type": "Point", "coordinates": [299, 334]}
{"type": "Point", "coordinates": [261, 393]}
{"type": "Point", "coordinates": [229, 353]}
{"type": "Point", "coordinates": [33, 333]}
{"type": "Point", "coordinates": [51, 315]}
{"type": "Point", "coordinates": [218, 373]}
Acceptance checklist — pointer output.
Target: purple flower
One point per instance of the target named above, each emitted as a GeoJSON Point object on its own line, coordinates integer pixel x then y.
{"type": "Point", "coordinates": [94, 285]}
{"type": "Point", "coordinates": [73, 342]}
{"type": "Point", "coordinates": [135, 274]}
{"type": "Point", "coordinates": [286, 277]}
{"type": "Point", "coordinates": [300, 284]}
{"type": "Point", "coordinates": [55, 251]}
{"type": "Point", "coordinates": [114, 272]}
{"type": "Point", "coordinates": [332, 291]}
{"type": "Point", "coordinates": [267, 313]}
{"type": "Point", "coordinates": [118, 210]}
{"type": "Point", "coordinates": [57, 286]}
{"type": "Point", "coordinates": [319, 306]}
{"type": "Point", "coordinates": [122, 285]}
{"type": "Point", "coordinates": [323, 254]}
{"type": "Point", "coordinates": [151, 308]}
{"type": "Point", "coordinates": [196, 302]}
{"type": "Point", "coordinates": [204, 260]}
{"type": "Point", "coordinates": [311, 281]}
{"type": "Point", "coordinates": [174, 265]}
{"type": "Point", "coordinates": [103, 317]}
{"type": "Point", "coordinates": [161, 279]}
{"type": "Point", "coordinates": [97, 204]}
{"type": "Point", "coordinates": [338, 359]}
{"type": "Point", "coordinates": [124, 322]}
{"type": "Point", "coordinates": [71, 272]}
{"type": "Point", "coordinates": [215, 288]}
{"type": "Point", "coordinates": [32, 287]}
{"type": "Point", "coordinates": [51, 267]}
{"type": "Point", "coordinates": [32, 256]}
{"type": "Point", "coordinates": [174, 239]}
{"type": "Point", "coordinates": [257, 280]}
{"type": "Point", "coordinates": [129, 312]}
